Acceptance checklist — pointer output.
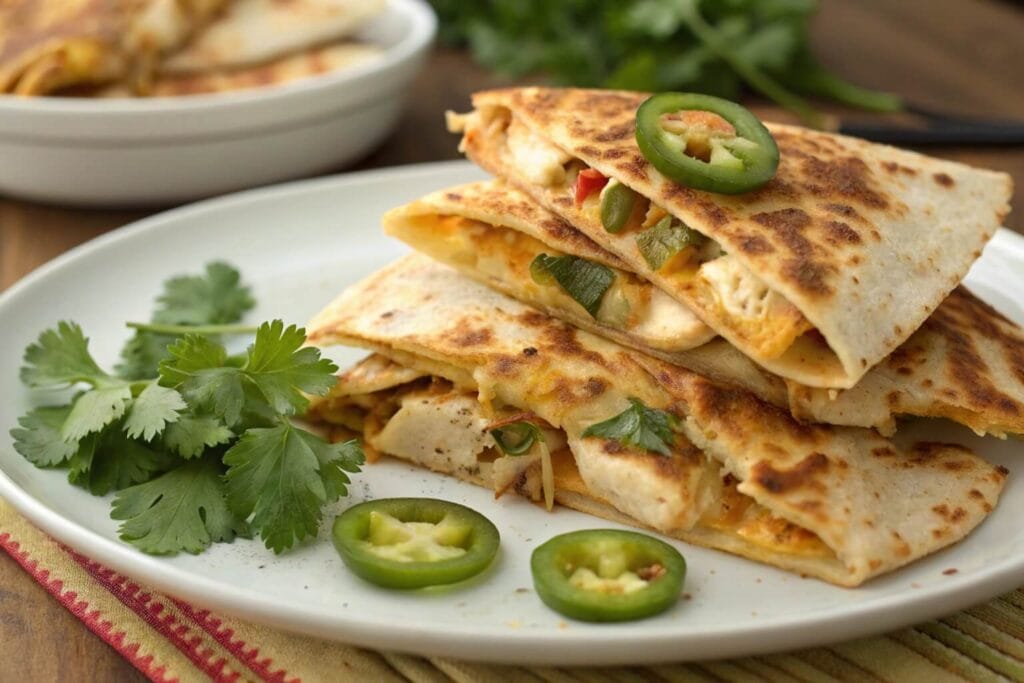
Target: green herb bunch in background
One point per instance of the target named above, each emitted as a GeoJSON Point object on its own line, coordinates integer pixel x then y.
{"type": "Point", "coordinates": [714, 46]}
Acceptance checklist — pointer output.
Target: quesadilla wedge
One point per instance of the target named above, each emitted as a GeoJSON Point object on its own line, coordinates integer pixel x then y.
{"type": "Point", "coordinates": [964, 363]}
{"type": "Point", "coordinates": [306, 64]}
{"type": "Point", "coordinates": [47, 46]}
{"type": "Point", "coordinates": [252, 32]}
{"type": "Point", "coordinates": [496, 235]}
{"type": "Point", "coordinates": [816, 276]}
{"type": "Point", "coordinates": [839, 504]}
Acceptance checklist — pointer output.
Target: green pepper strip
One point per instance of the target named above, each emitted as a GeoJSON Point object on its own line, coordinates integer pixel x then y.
{"type": "Point", "coordinates": [753, 147]}
{"type": "Point", "coordinates": [517, 438]}
{"type": "Point", "coordinates": [459, 527]}
{"type": "Point", "coordinates": [584, 280]}
{"type": "Point", "coordinates": [665, 239]}
{"type": "Point", "coordinates": [605, 556]}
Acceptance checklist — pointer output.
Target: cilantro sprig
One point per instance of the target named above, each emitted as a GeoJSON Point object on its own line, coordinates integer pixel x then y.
{"type": "Point", "coordinates": [197, 442]}
{"type": "Point", "coordinates": [212, 301]}
{"type": "Point", "coordinates": [640, 427]}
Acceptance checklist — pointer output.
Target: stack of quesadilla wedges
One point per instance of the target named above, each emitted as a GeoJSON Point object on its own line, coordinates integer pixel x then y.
{"type": "Point", "coordinates": [781, 349]}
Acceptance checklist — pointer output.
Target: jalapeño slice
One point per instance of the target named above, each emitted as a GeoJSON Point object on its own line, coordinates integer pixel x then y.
{"type": "Point", "coordinates": [414, 542]}
{"type": "Point", "coordinates": [728, 151]}
{"type": "Point", "coordinates": [607, 575]}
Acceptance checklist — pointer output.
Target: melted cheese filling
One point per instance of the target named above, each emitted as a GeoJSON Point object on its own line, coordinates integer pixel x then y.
{"type": "Point", "coordinates": [504, 255]}
{"type": "Point", "coordinates": [729, 294]}
{"type": "Point", "coordinates": [743, 302]}
{"type": "Point", "coordinates": [537, 159]}
{"type": "Point", "coordinates": [447, 410]}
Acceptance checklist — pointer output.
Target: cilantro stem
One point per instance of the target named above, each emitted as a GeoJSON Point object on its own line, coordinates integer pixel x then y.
{"type": "Point", "coordinates": [755, 78]}
{"type": "Point", "coordinates": [194, 329]}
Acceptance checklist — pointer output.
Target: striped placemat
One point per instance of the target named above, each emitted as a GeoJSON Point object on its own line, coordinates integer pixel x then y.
{"type": "Point", "coordinates": [171, 640]}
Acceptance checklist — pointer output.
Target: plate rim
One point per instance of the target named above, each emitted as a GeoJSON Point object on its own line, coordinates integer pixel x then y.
{"type": "Point", "coordinates": [498, 645]}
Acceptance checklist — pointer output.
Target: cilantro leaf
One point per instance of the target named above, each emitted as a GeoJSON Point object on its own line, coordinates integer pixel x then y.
{"type": "Point", "coordinates": [152, 410]}
{"type": "Point", "coordinates": [184, 509]}
{"type": "Point", "coordinates": [191, 435]}
{"type": "Point", "coordinates": [639, 426]}
{"type": "Point", "coordinates": [283, 476]}
{"type": "Point", "coordinates": [216, 297]}
{"type": "Point", "coordinates": [80, 464]}
{"type": "Point", "coordinates": [142, 354]}
{"type": "Point", "coordinates": [276, 372]}
{"type": "Point", "coordinates": [112, 461]}
{"type": "Point", "coordinates": [282, 369]}
{"type": "Point", "coordinates": [38, 437]}
{"type": "Point", "coordinates": [60, 358]}
{"type": "Point", "coordinates": [94, 410]}
{"type": "Point", "coordinates": [198, 369]}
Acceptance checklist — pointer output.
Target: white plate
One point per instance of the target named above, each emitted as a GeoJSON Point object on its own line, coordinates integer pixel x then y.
{"type": "Point", "coordinates": [137, 151]}
{"type": "Point", "coordinates": [298, 245]}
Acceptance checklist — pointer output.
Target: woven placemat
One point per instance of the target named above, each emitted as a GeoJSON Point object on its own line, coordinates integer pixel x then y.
{"type": "Point", "coordinates": [170, 640]}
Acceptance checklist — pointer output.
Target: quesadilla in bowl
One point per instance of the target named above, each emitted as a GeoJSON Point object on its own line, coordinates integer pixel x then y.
{"type": "Point", "coordinates": [294, 67]}
{"type": "Point", "coordinates": [47, 46]}
{"type": "Point", "coordinates": [461, 366]}
{"type": "Point", "coordinates": [253, 32]}
{"type": "Point", "coordinates": [816, 276]}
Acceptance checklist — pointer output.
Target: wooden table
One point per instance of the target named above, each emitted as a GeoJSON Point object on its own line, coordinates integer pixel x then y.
{"type": "Point", "coordinates": [950, 54]}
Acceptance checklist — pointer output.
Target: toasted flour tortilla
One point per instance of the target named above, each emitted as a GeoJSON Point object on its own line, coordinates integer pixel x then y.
{"type": "Point", "coordinates": [827, 269]}
{"type": "Point", "coordinates": [251, 32]}
{"type": "Point", "coordinates": [306, 64]}
{"type": "Point", "coordinates": [965, 363]}
{"type": "Point", "coordinates": [46, 45]}
{"type": "Point", "coordinates": [840, 504]}
{"type": "Point", "coordinates": [492, 233]}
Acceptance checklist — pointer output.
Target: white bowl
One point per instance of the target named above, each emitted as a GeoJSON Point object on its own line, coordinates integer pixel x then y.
{"type": "Point", "coordinates": [163, 150]}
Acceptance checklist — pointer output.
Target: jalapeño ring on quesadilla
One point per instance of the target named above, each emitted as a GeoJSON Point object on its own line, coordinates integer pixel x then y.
{"type": "Point", "coordinates": [841, 504]}
{"type": "Point", "coordinates": [705, 142]}
{"type": "Point", "coordinates": [816, 276]}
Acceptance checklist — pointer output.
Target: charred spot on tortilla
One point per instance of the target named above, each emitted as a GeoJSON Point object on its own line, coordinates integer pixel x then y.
{"type": "Point", "coordinates": [785, 481]}
{"type": "Point", "coordinates": [755, 245]}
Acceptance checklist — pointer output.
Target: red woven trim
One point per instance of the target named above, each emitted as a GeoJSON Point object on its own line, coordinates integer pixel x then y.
{"type": "Point", "coordinates": [93, 619]}
{"type": "Point", "coordinates": [238, 647]}
{"type": "Point", "coordinates": [150, 608]}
